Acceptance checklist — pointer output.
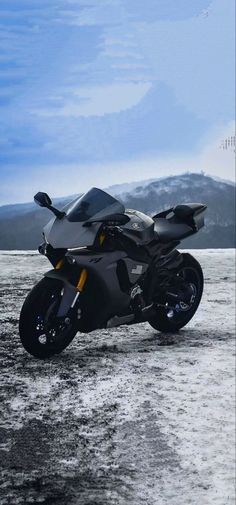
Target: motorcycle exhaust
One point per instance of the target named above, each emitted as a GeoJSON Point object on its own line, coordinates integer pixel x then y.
{"type": "Point", "coordinates": [144, 315]}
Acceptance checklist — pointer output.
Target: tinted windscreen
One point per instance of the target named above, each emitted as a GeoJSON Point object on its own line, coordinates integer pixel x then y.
{"type": "Point", "coordinates": [90, 204]}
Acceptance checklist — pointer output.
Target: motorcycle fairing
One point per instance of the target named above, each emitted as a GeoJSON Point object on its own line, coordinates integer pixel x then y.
{"type": "Point", "coordinates": [67, 233]}
{"type": "Point", "coordinates": [106, 294]}
{"type": "Point", "coordinates": [104, 277]}
{"type": "Point", "coordinates": [63, 234]}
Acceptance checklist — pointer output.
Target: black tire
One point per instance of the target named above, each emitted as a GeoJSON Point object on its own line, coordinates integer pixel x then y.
{"type": "Point", "coordinates": [161, 322]}
{"type": "Point", "coordinates": [37, 304]}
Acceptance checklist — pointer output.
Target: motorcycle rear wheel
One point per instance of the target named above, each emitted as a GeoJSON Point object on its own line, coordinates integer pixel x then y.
{"type": "Point", "coordinates": [43, 299]}
{"type": "Point", "coordinates": [192, 272]}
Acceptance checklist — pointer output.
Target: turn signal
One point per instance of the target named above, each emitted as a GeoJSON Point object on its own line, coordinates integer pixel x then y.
{"type": "Point", "coordinates": [59, 264]}
{"type": "Point", "coordinates": [101, 238]}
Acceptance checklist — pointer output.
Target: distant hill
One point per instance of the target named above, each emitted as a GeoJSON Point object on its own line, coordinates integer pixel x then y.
{"type": "Point", "coordinates": [21, 224]}
{"type": "Point", "coordinates": [218, 195]}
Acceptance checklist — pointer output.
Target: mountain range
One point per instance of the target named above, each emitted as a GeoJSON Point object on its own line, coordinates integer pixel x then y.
{"type": "Point", "coordinates": [21, 224]}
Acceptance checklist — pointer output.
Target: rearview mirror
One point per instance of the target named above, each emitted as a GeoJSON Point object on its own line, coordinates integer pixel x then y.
{"type": "Point", "coordinates": [42, 199]}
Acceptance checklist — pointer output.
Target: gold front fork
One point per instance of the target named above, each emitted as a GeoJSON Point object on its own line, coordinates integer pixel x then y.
{"type": "Point", "coordinates": [82, 280]}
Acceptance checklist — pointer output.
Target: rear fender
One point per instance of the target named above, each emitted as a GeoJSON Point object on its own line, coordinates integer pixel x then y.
{"type": "Point", "coordinates": [171, 261]}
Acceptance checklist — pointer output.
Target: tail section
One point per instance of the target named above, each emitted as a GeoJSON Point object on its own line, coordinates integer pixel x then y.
{"type": "Point", "coordinates": [179, 222]}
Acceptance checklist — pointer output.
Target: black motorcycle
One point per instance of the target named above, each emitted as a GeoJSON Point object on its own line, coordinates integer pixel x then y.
{"type": "Point", "coordinates": [111, 266]}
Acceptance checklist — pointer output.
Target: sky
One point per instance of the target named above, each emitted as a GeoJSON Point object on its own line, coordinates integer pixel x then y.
{"type": "Point", "coordinates": [100, 92]}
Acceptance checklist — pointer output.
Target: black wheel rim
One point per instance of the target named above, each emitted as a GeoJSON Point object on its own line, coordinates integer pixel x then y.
{"type": "Point", "coordinates": [48, 331]}
{"type": "Point", "coordinates": [182, 309]}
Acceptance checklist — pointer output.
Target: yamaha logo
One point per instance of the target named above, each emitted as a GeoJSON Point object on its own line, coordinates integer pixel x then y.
{"type": "Point", "coordinates": [135, 226]}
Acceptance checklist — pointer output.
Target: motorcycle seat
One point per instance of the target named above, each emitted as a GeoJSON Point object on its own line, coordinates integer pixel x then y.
{"type": "Point", "coordinates": [167, 231]}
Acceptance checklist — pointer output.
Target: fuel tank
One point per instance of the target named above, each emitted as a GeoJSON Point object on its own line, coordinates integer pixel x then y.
{"type": "Point", "coordinates": [140, 227]}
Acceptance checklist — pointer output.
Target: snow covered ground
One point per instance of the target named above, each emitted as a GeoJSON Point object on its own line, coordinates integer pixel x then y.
{"type": "Point", "coordinates": [121, 417]}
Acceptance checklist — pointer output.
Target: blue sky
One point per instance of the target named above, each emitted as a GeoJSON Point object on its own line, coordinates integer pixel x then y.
{"type": "Point", "coordinates": [96, 92]}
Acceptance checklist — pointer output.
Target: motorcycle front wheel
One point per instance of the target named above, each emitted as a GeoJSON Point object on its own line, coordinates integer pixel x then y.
{"type": "Point", "coordinates": [41, 334]}
{"type": "Point", "coordinates": [171, 321]}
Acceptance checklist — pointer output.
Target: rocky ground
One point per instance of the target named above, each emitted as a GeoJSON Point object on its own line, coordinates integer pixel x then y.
{"type": "Point", "coordinates": [121, 417]}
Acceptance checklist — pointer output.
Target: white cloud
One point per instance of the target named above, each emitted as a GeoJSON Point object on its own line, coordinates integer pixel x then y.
{"type": "Point", "coordinates": [118, 53]}
{"type": "Point", "coordinates": [129, 66]}
{"type": "Point", "coordinates": [99, 100]}
{"type": "Point", "coordinates": [126, 48]}
{"type": "Point", "coordinates": [211, 159]}
{"type": "Point", "coordinates": [96, 13]}
{"type": "Point", "coordinates": [195, 57]}
{"type": "Point", "coordinates": [109, 41]}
